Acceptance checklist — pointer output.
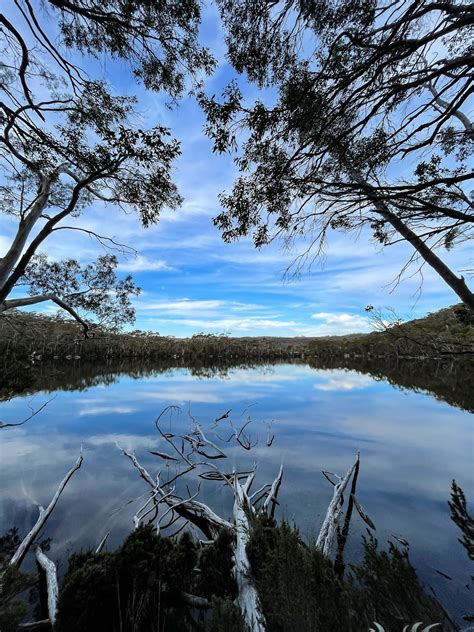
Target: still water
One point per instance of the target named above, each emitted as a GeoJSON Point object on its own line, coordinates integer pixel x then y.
{"type": "Point", "coordinates": [412, 444]}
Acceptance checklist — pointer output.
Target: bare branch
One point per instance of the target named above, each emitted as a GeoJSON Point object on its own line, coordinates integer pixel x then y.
{"type": "Point", "coordinates": [33, 414]}
{"type": "Point", "coordinates": [43, 516]}
{"type": "Point", "coordinates": [329, 526]}
{"type": "Point", "coordinates": [42, 298]}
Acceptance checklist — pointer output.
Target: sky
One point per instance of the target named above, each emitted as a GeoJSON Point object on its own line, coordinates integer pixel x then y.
{"type": "Point", "coordinates": [193, 282]}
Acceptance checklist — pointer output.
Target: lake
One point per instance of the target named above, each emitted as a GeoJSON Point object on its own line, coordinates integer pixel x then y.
{"type": "Point", "coordinates": [413, 438]}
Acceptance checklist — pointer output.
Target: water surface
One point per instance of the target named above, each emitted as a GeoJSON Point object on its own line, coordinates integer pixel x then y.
{"type": "Point", "coordinates": [412, 444]}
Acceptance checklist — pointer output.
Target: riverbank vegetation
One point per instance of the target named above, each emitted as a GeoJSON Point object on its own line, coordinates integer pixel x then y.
{"type": "Point", "coordinates": [153, 582]}
{"type": "Point", "coordinates": [446, 333]}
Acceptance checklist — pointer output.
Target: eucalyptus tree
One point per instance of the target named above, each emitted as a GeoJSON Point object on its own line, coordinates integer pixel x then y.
{"type": "Point", "coordinates": [369, 127]}
{"type": "Point", "coordinates": [67, 142]}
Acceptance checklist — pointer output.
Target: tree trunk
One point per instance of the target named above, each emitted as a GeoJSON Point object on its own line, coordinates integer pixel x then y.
{"type": "Point", "coordinates": [49, 568]}
{"type": "Point", "coordinates": [8, 262]}
{"type": "Point", "coordinates": [247, 598]}
{"type": "Point", "coordinates": [457, 284]}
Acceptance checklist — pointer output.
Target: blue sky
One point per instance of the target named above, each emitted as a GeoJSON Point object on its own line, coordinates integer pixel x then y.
{"type": "Point", "coordinates": [191, 281]}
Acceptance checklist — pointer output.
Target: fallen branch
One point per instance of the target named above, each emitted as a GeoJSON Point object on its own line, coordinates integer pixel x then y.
{"type": "Point", "coordinates": [197, 513]}
{"type": "Point", "coordinates": [273, 493]}
{"type": "Point", "coordinates": [38, 626]}
{"type": "Point", "coordinates": [329, 527]}
{"type": "Point", "coordinates": [247, 598]}
{"type": "Point", "coordinates": [339, 565]}
{"type": "Point", "coordinates": [102, 542]}
{"type": "Point", "coordinates": [49, 567]}
{"type": "Point", "coordinates": [33, 414]}
{"type": "Point", "coordinates": [43, 516]}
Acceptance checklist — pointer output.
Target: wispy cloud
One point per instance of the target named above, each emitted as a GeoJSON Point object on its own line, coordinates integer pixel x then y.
{"type": "Point", "coordinates": [141, 263]}
{"type": "Point", "coordinates": [339, 324]}
{"type": "Point", "coordinates": [342, 381]}
{"type": "Point", "coordinates": [106, 410]}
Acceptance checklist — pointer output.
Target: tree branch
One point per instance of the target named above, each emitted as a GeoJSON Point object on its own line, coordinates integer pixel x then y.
{"type": "Point", "coordinates": [44, 514]}
{"type": "Point", "coordinates": [41, 298]}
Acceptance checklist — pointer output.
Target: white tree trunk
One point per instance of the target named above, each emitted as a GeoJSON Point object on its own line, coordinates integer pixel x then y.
{"type": "Point", "coordinates": [49, 568]}
{"type": "Point", "coordinates": [328, 530]}
{"type": "Point", "coordinates": [247, 599]}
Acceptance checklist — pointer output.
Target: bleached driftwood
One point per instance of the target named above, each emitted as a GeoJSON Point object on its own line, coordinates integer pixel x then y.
{"type": "Point", "coordinates": [189, 448]}
{"type": "Point", "coordinates": [197, 513]}
{"type": "Point", "coordinates": [273, 493]}
{"type": "Point", "coordinates": [247, 598]}
{"type": "Point", "coordinates": [36, 626]}
{"type": "Point", "coordinates": [49, 567]}
{"type": "Point", "coordinates": [43, 516]}
{"type": "Point", "coordinates": [328, 530]}
{"type": "Point", "coordinates": [102, 542]}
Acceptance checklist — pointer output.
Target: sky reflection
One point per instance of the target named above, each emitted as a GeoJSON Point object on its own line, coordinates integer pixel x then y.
{"type": "Point", "coordinates": [411, 447]}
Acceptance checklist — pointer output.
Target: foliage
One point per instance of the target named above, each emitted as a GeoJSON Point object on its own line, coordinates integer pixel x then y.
{"type": "Point", "coordinates": [461, 517]}
{"type": "Point", "coordinates": [141, 585]}
{"type": "Point", "coordinates": [93, 289]}
{"type": "Point", "coordinates": [137, 587]}
{"type": "Point", "coordinates": [296, 583]}
{"type": "Point", "coordinates": [158, 39]}
{"type": "Point", "coordinates": [215, 562]}
{"type": "Point", "coordinates": [447, 333]}
{"type": "Point", "coordinates": [389, 590]}
{"type": "Point", "coordinates": [226, 616]}
{"type": "Point", "coordinates": [367, 129]}
{"type": "Point", "coordinates": [68, 143]}
{"type": "Point", "coordinates": [12, 583]}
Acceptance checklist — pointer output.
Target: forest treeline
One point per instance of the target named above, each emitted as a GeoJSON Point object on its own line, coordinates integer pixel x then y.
{"type": "Point", "coordinates": [446, 333]}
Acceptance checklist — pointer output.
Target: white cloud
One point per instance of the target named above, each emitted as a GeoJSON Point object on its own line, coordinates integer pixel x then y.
{"type": "Point", "coordinates": [107, 410]}
{"type": "Point", "coordinates": [130, 442]}
{"type": "Point", "coordinates": [4, 245]}
{"type": "Point", "coordinates": [141, 263]}
{"type": "Point", "coordinates": [340, 324]}
{"type": "Point", "coordinates": [184, 394]}
{"type": "Point", "coordinates": [343, 381]}
{"type": "Point", "coordinates": [181, 307]}
{"type": "Point", "coordinates": [250, 325]}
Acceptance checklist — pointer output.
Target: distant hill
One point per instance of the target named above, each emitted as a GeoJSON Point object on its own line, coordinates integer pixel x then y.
{"type": "Point", "coordinates": [449, 331]}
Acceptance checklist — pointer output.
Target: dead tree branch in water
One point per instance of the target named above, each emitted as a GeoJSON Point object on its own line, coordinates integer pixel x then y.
{"type": "Point", "coordinates": [33, 414]}
{"type": "Point", "coordinates": [44, 514]}
{"type": "Point", "coordinates": [185, 452]}
{"type": "Point", "coordinates": [49, 568]}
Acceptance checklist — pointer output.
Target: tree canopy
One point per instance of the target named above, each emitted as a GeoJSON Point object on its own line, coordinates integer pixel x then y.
{"type": "Point", "coordinates": [67, 142]}
{"type": "Point", "coordinates": [370, 125]}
